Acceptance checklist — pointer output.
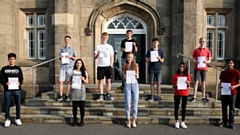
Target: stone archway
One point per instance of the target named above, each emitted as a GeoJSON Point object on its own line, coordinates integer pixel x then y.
{"type": "Point", "coordinates": [138, 8]}
{"type": "Point", "coordinates": [110, 9]}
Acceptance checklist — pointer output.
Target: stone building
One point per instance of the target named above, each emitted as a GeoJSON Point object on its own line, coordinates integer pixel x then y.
{"type": "Point", "coordinates": [35, 30]}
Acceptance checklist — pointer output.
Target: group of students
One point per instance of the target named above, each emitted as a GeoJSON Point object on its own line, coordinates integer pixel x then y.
{"type": "Point", "coordinates": [76, 75]}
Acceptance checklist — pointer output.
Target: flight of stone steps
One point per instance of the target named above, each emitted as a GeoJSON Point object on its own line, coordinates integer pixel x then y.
{"type": "Point", "coordinates": [46, 109]}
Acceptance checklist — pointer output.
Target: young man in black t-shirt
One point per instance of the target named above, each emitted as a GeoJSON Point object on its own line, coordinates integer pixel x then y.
{"type": "Point", "coordinates": [12, 78]}
{"type": "Point", "coordinates": [128, 40]}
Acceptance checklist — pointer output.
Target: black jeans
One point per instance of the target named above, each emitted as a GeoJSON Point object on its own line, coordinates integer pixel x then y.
{"type": "Point", "coordinates": [81, 105]}
{"type": "Point", "coordinates": [228, 100]}
{"type": "Point", "coordinates": [176, 106]}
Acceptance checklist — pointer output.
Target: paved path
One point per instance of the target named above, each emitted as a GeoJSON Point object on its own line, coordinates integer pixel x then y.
{"type": "Point", "coordinates": [100, 129]}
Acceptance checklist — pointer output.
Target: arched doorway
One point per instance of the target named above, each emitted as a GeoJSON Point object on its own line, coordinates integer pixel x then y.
{"type": "Point", "coordinates": [117, 27]}
{"type": "Point", "coordinates": [144, 13]}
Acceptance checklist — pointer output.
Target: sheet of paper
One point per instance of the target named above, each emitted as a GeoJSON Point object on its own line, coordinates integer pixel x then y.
{"type": "Point", "coordinates": [130, 76]}
{"type": "Point", "coordinates": [64, 59]}
{"type": "Point", "coordinates": [13, 83]}
{"type": "Point", "coordinates": [226, 88]}
{"type": "Point", "coordinates": [154, 55]}
{"type": "Point", "coordinates": [182, 83]}
{"type": "Point", "coordinates": [201, 63]}
{"type": "Point", "coordinates": [76, 82]}
{"type": "Point", "coordinates": [128, 46]}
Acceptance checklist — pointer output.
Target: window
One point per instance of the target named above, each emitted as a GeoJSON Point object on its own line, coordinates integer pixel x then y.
{"type": "Point", "coordinates": [216, 27]}
{"type": "Point", "coordinates": [210, 40]}
{"type": "Point", "coordinates": [36, 36]}
{"type": "Point", "coordinates": [210, 20]}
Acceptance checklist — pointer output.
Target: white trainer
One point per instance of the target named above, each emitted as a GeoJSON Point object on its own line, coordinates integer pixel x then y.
{"type": "Point", "coordinates": [134, 125]}
{"type": "Point", "coordinates": [129, 124]}
{"type": "Point", "coordinates": [177, 125]}
{"type": "Point", "coordinates": [183, 125]}
{"type": "Point", "coordinates": [18, 122]}
{"type": "Point", "coordinates": [7, 123]}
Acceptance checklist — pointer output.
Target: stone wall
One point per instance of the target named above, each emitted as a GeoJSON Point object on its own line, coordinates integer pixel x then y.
{"type": "Point", "coordinates": [177, 25]}
{"type": "Point", "coordinates": [7, 30]}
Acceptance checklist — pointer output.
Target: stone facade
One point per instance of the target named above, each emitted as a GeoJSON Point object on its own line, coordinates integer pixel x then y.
{"type": "Point", "coordinates": [178, 24]}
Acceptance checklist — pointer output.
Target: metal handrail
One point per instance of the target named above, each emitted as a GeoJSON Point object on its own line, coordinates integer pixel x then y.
{"type": "Point", "coordinates": [217, 68]}
{"type": "Point", "coordinates": [32, 68]}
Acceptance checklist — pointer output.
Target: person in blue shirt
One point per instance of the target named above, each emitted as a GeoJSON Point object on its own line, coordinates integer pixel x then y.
{"type": "Point", "coordinates": [66, 68]}
{"type": "Point", "coordinates": [155, 68]}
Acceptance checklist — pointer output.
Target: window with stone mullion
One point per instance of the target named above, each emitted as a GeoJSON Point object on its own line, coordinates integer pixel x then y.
{"type": "Point", "coordinates": [36, 37]}
{"type": "Point", "coordinates": [216, 25]}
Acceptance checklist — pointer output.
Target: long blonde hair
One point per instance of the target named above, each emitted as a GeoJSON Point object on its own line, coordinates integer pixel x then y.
{"type": "Point", "coordinates": [133, 64]}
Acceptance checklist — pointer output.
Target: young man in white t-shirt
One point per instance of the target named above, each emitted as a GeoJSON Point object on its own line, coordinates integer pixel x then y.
{"type": "Point", "coordinates": [104, 53]}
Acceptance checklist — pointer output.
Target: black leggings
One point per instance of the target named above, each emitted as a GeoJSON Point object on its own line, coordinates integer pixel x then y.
{"type": "Point", "coordinates": [176, 106]}
{"type": "Point", "coordinates": [75, 105]}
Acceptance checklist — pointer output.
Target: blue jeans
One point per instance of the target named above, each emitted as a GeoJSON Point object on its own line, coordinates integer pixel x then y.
{"type": "Point", "coordinates": [155, 76]}
{"type": "Point", "coordinates": [17, 94]}
{"type": "Point", "coordinates": [131, 93]}
{"type": "Point", "coordinates": [123, 62]}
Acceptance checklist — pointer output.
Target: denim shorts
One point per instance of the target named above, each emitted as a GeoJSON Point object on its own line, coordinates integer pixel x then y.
{"type": "Point", "coordinates": [155, 76]}
{"type": "Point", "coordinates": [64, 75]}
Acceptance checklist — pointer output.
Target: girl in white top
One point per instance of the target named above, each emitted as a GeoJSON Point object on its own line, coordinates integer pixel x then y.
{"type": "Point", "coordinates": [78, 77]}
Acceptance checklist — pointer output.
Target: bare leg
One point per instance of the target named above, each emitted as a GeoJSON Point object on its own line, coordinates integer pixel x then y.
{"type": "Point", "coordinates": [100, 86]}
{"type": "Point", "coordinates": [68, 89]}
{"type": "Point", "coordinates": [152, 88]}
{"type": "Point", "coordinates": [108, 85]}
{"type": "Point", "coordinates": [60, 88]}
{"type": "Point", "coordinates": [195, 89]}
{"type": "Point", "coordinates": [203, 88]}
{"type": "Point", "coordinates": [158, 88]}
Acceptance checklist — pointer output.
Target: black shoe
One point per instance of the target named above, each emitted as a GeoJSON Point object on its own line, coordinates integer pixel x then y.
{"type": "Point", "coordinates": [205, 100]}
{"type": "Point", "coordinates": [121, 87]}
{"type": "Point", "coordinates": [67, 98]}
{"type": "Point", "coordinates": [101, 98]}
{"type": "Point", "coordinates": [59, 98]}
{"type": "Point", "coordinates": [151, 99]}
{"type": "Point", "coordinates": [81, 124]}
{"type": "Point", "coordinates": [108, 97]}
{"type": "Point", "coordinates": [74, 122]}
{"type": "Point", "coordinates": [222, 125]}
{"type": "Point", "coordinates": [159, 99]}
{"type": "Point", "coordinates": [232, 126]}
{"type": "Point", "coordinates": [193, 99]}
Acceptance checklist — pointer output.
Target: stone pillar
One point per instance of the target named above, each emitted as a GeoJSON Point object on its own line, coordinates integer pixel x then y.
{"type": "Point", "coordinates": [238, 33]}
{"type": "Point", "coordinates": [7, 28]}
{"type": "Point", "coordinates": [177, 36]}
{"type": "Point", "coordinates": [65, 21]}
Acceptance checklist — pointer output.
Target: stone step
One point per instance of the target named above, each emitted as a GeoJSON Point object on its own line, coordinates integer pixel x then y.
{"type": "Point", "coordinates": [103, 111]}
{"type": "Point", "coordinates": [143, 88]}
{"type": "Point", "coordinates": [153, 119]}
{"type": "Point", "coordinates": [121, 103]}
{"type": "Point", "coordinates": [116, 96]}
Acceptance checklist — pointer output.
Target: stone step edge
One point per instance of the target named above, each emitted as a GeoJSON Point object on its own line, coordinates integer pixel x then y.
{"type": "Point", "coordinates": [118, 119]}
{"type": "Point", "coordinates": [115, 108]}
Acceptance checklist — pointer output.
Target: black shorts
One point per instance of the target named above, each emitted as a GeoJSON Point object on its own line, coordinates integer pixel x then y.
{"type": "Point", "coordinates": [104, 71]}
{"type": "Point", "coordinates": [200, 73]}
